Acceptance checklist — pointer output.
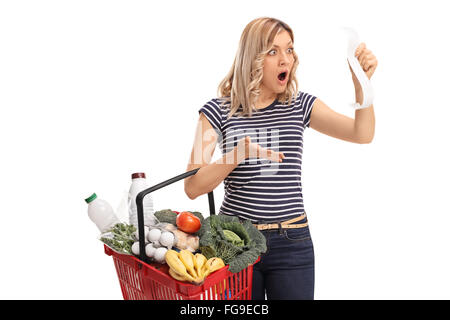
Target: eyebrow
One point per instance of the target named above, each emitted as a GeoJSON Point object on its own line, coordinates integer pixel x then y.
{"type": "Point", "coordinates": [278, 46]}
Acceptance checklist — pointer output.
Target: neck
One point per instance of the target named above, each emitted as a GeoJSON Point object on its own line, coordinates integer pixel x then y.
{"type": "Point", "coordinates": [265, 98]}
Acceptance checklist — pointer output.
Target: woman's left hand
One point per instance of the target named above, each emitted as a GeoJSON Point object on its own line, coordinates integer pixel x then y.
{"type": "Point", "coordinates": [366, 59]}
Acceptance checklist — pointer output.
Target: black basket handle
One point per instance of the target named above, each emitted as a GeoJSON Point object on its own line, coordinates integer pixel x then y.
{"type": "Point", "coordinates": [140, 207]}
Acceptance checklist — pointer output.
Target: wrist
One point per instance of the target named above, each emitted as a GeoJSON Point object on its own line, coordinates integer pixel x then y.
{"type": "Point", "coordinates": [356, 84]}
{"type": "Point", "coordinates": [358, 91]}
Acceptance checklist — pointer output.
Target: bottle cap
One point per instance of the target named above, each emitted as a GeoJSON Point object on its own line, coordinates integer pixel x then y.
{"type": "Point", "coordinates": [91, 198]}
{"type": "Point", "coordinates": [138, 175]}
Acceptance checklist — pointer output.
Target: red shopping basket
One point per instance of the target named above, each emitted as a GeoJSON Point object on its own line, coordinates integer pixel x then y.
{"type": "Point", "coordinates": [141, 279]}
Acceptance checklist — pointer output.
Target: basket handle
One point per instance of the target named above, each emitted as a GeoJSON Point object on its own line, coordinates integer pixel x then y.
{"type": "Point", "coordinates": [140, 207]}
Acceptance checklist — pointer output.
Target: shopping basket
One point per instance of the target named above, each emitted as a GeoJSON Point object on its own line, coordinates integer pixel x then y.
{"type": "Point", "coordinates": [141, 279]}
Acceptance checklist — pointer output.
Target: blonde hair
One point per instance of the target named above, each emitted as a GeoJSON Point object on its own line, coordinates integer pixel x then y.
{"type": "Point", "coordinates": [241, 86]}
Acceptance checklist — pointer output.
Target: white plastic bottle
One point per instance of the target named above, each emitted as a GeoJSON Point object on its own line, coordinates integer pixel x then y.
{"type": "Point", "coordinates": [101, 213]}
{"type": "Point", "coordinates": [138, 184]}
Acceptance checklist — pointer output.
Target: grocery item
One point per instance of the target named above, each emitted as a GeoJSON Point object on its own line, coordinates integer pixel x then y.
{"type": "Point", "coordinates": [238, 247]}
{"type": "Point", "coordinates": [158, 241]}
{"type": "Point", "coordinates": [188, 222]}
{"type": "Point", "coordinates": [120, 238]}
{"type": "Point", "coordinates": [199, 261]}
{"type": "Point", "coordinates": [146, 230]}
{"type": "Point", "coordinates": [198, 215]}
{"type": "Point", "coordinates": [177, 266]}
{"type": "Point", "coordinates": [166, 215]}
{"type": "Point", "coordinates": [160, 254]}
{"type": "Point", "coordinates": [183, 239]}
{"type": "Point", "coordinates": [170, 216]}
{"type": "Point", "coordinates": [184, 266]}
{"type": "Point", "coordinates": [150, 250]}
{"type": "Point", "coordinates": [135, 248]}
{"type": "Point", "coordinates": [101, 213]}
{"type": "Point", "coordinates": [213, 264]}
{"type": "Point", "coordinates": [138, 184]}
{"type": "Point", "coordinates": [167, 239]}
{"type": "Point", "coordinates": [177, 276]}
{"type": "Point", "coordinates": [234, 238]}
{"type": "Point", "coordinates": [188, 260]}
{"type": "Point", "coordinates": [154, 235]}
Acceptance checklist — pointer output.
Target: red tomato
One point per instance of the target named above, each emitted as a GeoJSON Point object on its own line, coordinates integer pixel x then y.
{"type": "Point", "coordinates": [188, 222]}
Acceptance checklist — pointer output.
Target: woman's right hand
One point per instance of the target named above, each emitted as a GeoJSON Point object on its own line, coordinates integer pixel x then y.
{"type": "Point", "coordinates": [246, 149]}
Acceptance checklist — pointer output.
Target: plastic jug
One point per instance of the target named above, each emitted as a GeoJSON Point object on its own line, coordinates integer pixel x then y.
{"type": "Point", "coordinates": [101, 213]}
{"type": "Point", "coordinates": [138, 184]}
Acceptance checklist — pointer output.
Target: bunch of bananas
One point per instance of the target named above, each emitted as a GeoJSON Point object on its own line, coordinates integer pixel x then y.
{"type": "Point", "coordinates": [185, 266]}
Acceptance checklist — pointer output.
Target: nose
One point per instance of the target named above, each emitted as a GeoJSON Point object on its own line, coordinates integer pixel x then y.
{"type": "Point", "coordinates": [284, 59]}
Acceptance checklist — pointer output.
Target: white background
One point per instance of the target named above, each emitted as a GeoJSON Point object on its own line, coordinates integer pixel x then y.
{"type": "Point", "coordinates": [91, 91]}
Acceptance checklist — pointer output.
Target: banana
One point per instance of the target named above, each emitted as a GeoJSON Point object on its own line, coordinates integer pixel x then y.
{"type": "Point", "coordinates": [186, 277]}
{"type": "Point", "coordinates": [174, 262]}
{"type": "Point", "coordinates": [184, 266]}
{"type": "Point", "coordinates": [177, 276]}
{"type": "Point", "coordinates": [199, 262]}
{"type": "Point", "coordinates": [187, 258]}
{"type": "Point", "coordinates": [213, 264]}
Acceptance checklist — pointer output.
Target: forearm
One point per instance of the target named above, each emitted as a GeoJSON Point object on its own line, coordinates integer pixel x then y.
{"type": "Point", "coordinates": [364, 119]}
{"type": "Point", "coordinates": [210, 176]}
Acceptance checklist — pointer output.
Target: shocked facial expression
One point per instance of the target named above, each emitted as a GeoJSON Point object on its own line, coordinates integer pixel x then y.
{"type": "Point", "coordinates": [278, 64]}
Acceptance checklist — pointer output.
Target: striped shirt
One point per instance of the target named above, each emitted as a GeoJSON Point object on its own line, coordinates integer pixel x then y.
{"type": "Point", "coordinates": [260, 189]}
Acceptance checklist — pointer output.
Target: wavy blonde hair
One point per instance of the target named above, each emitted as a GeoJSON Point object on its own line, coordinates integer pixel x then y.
{"type": "Point", "coordinates": [241, 86]}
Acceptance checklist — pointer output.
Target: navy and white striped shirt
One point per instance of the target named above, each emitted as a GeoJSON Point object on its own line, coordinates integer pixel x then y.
{"type": "Point", "coordinates": [260, 189]}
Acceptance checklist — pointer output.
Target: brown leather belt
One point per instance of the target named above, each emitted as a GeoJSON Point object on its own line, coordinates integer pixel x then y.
{"type": "Point", "coordinates": [283, 225]}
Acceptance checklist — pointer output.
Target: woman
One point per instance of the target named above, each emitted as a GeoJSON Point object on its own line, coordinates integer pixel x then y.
{"type": "Point", "coordinates": [258, 121]}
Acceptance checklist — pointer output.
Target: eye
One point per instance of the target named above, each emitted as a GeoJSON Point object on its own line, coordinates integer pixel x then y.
{"type": "Point", "coordinates": [273, 51]}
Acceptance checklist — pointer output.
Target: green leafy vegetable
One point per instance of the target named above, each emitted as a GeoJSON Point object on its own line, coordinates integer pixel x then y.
{"type": "Point", "coordinates": [166, 215]}
{"type": "Point", "coordinates": [237, 243]}
{"type": "Point", "coordinates": [233, 238]}
{"type": "Point", "coordinates": [120, 238]}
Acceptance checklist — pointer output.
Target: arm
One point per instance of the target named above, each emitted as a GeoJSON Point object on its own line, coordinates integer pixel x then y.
{"type": "Point", "coordinates": [210, 175]}
{"type": "Point", "coordinates": [358, 130]}
{"type": "Point", "coordinates": [364, 119]}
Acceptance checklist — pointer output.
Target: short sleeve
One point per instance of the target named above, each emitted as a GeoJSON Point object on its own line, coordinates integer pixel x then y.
{"type": "Point", "coordinates": [306, 105]}
{"type": "Point", "coordinates": [213, 113]}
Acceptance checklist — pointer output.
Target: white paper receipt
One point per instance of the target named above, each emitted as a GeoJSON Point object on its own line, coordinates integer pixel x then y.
{"type": "Point", "coordinates": [366, 85]}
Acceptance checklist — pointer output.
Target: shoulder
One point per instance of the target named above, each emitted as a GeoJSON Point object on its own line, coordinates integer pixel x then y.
{"type": "Point", "coordinates": [215, 110]}
{"type": "Point", "coordinates": [222, 103]}
{"type": "Point", "coordinates": [217, 104]}
{"type": "Point", "coordinates": [304, 99]}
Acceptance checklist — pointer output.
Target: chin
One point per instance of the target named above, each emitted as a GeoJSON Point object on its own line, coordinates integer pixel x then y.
{"type": "Point", "coordinates": [280, 90]}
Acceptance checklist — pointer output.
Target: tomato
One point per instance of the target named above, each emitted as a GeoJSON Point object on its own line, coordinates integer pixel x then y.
{"type": "Point", "coordinates": [188, 222]}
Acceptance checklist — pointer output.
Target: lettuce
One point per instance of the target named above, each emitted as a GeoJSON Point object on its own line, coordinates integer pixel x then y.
{"type": "Point", "coordinates": [216, 240]}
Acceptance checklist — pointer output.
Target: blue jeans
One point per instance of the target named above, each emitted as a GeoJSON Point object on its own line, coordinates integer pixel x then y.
{"type": "Point", "coordinates": [286, 270]}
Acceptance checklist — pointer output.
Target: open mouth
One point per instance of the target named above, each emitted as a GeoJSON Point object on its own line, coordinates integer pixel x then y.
{"type": "Point", "coordinates": [282, 76]}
